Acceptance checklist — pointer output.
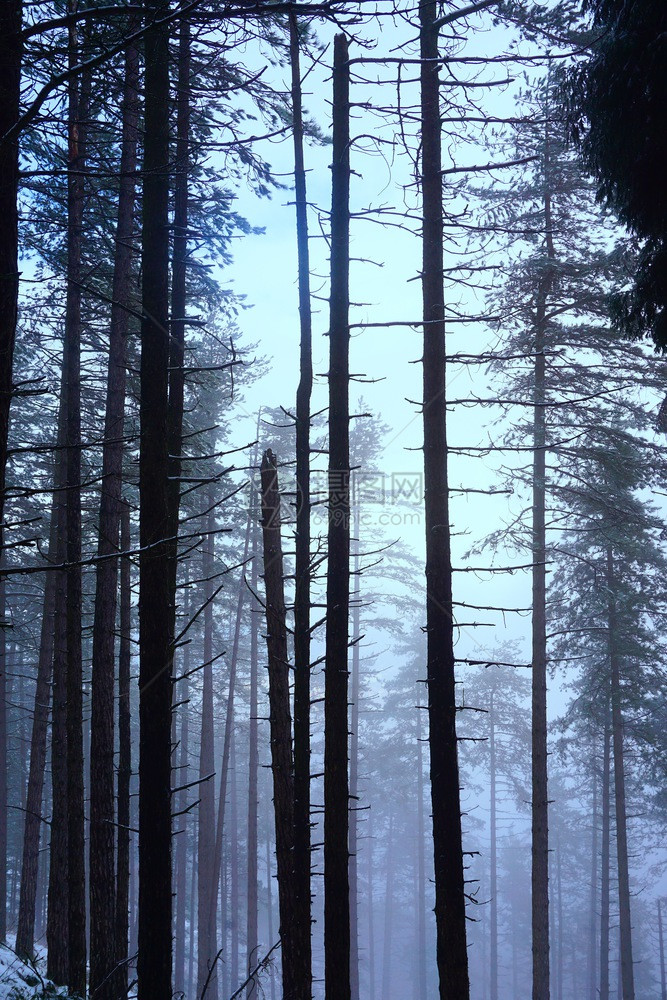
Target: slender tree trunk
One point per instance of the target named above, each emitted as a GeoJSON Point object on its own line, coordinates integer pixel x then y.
{"type": "Point", "coordinates": [155, 605]}
{"type": "Point", "coordinates": [627, 968]}
{"type": "Point", "coordinates": [206, 938]}
{"type": "Point", "coordinates": [57, 919]}
{"type": "Point", "coordinates": [280, 721]}
{"type": "Point", "coordinates": [102, 882]}
{"type": "Point", "coordinates": [76, 876]}
{"type": "Point", "coordinates": [336, 788]}
{"type": "Point", "coordinates": [354, 772]}
{"type": "Point", "coordinates": [269, 903]}
{"type": "Point", "coordinates": [226, 747]}
{"type": "Point", "coordinates": [493, 858]}
{"type": "Point", "coordinates": [421, 867]}
{"type": "Point", "coordinates": [191, 954]}
{"type": "Point", "coordinates": [234, 872]}
{"type": "Point", "coordinates": [540, 793]}
{"type": "Point", "coordinates": [604, 862]}
{"type": "Point", "coordinates": [559, 886]}
{"type": "Point", "coordinates": [371, 915]}
{"type": "Point", "coordinates": [122, 904]}
{"type": "Point", "coordinates": [591, 977]}
{"type": "Point", "coordinates": [663, 980]}
{"type": "Point", "coordinates": [4, 623]}
{"type": "Point", "coordinates": [11, 54]}
{"type": "Point", "coordinates": [388, 913]}
{"type": "Point", "coordinates": [253, 769]}
{"type": "Point", "coordinates": [450, 917]}
{"type": "Point", "coordinates": [182, 841]}
{"type": "Point", "coordinates": [302, 545]}
{"type": "Point", "coordinates": [25, 934]}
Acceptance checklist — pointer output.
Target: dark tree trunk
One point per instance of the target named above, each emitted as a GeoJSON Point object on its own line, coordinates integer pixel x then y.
{"type": "Point", "coordinates": [3, 761]}
{"type": "Point", "coordinates": [421, 868]}
{"type": "Point", "coordinates": [206, 947]}
{"type": "Point", "coordinates": [25, 934]}
{"type": "Point", "coordinates": [182, 839]}
{"type": "Point", "coordinates": [302, 545]}
{"type": "Point", "coordinates": [450, 917]}
{"type": "Point", "coordinates": [57, 919]}
{"type": "Point", "coordinates": [76, 871]}
{"type": "Point", "coordinates": [625, 920]}
{"type": "Point", "coordinates": [604, 863]}
{"type": "Point", "coordinates": [280, 721]}
{"type": "Point", "coordinates": [354, 772]}
{"type": "Point", "coordinates": [559, 887]}
{"type": "Point", "coordinates": [493, 970]}
{"type": "Point", "coordinates": [592, 949]}
{"type": "Point", "coordinates": [269, 903]}
{"type": "Point", "coordinates": [122, 903]}
{"type": "Point", "coordinates": [336, 788]}
{"type": "Point", "coordinates": [540, 793]}
{"type": "Point", "coordinates": [155, 605]}
{"type": "Point", "coordinates": [11, 53]}
{"type": "Point", "coordinates": [103, 955]}
{"type": "Point", "coordinates": [253, 770]}
{"type": "Point", "coordinates": [234, 872]}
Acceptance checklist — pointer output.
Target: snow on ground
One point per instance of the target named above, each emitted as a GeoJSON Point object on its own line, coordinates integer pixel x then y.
{"type": "Point", "coordinates": [19, 981]}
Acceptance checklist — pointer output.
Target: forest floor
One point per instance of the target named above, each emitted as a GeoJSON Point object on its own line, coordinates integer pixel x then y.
{"type": "Point", "coordinates": [20, 981]}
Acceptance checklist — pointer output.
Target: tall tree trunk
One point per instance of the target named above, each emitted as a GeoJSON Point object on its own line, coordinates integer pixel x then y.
{"type": "Point", "coordinates": [206, 938]}
{"type": "Point", "coordinates": [387, 942]}
{"type": "Point", "coordinates": [280, 721]}
{"type": "Point", "coordinates": [421, 867]}
{"type": "Point", "coordinates": [559, 887]}
{"type": "Point", "coordinates": [302, 545]}
{"type": "Point", "coordinates": [234, 872]}
{"type": "Point", "coordinates": [663, 980]}
{"type": "Point", "coordinates": [11, 54]}
{"type": "Point", "coordinates": [57, 918]}
{"type": "Point", "coordinates": [625, 920]}
{"type": "Point", "coordinates": [155, 605]}
{"type": "Point", "coordinates": [76, 874]}
{"type": "Point", "coordinates": [269, 903]}
{"type": "Point", "coordinates": [336, 788]}
{"type": "Point", "coordinates": [102, 881]}
{"type": "Point", "coordinates": [122, 904]}
{"type": "Point", "coordinates": [253, 770]}
{"type": "Point", "coordinates": [493, 857]}
{"type": "Point", "coordinates": [25, 933]}
{"type": "Point", "coordinates": [4, 623]}
{"type": "Point", "coordinates": [591, 976]}
{"type": "Point", "coordinates": [226, 747]}
{"type": "Point", "coordinates": [540, 793]}
{"type": "Point", "coordinates": [450, 917]}
{"type": "Point", "coordinates": [604, 862]}
{"type": "Point", "coordinates": [371, 921]}
{"type": "Point", "coordinates": [354, 771]}
{"type": "Point", "coordinates": [182, 841]}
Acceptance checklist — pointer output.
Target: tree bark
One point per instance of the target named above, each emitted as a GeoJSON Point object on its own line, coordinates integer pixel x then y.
{"type": "Point", "coordinates": [253, 770]}
{"type": "Point", "coordinates": [3, 760]}
{"type": "Point", "coordinates": [540, 792]}
{"type": "Point", "coordinates": [11, 54]}
{"type": "Point", "coordinates": [421, 868]}
{"type": "Point", "coordinates": [25, 933]}
{"type": "Point", "coordinates": [604, 863]}
{"type": "Point", "coordinates": [155, 605]}
{"type": "Point", "coordinates": [591, 976]}
{"type": "Point", "coordinates": [122, 903]}
{"type": "Point", "coordinates": [354, 771]}
{"type": "Point", "coordinates": [76, 874]}
{"type": "Point", "coordinates": [336, 788]}
{"type": "Point", "coordinates": [625, 919]}
{"type": "Point", "coordinates": [280, 722]}
{"type": "Point", "coordinates": [206, 939]}
{"type": "Point", "coordinates": [302, 543]}
{"type": "Point", "coordinates": [450, 916]}
{"type": "Point", "coordinates": [102, 806]}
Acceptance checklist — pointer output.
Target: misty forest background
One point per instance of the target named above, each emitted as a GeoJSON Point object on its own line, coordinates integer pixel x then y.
{"type": "Point", "coordinates": [297, 301]}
